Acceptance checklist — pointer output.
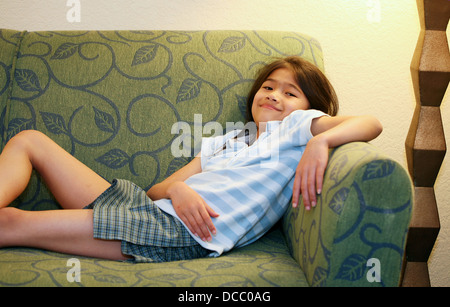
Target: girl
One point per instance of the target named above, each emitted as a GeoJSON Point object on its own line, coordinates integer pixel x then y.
{"type": "Point", "coordinates": [228, 196]}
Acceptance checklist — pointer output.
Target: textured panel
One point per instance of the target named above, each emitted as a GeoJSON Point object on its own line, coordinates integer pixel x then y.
{"type": "Point", "coordinates": [425, 143]}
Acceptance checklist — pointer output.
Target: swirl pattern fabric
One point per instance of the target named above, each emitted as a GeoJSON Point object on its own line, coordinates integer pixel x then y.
{"type": "Point", "coordinates": [111, 98]}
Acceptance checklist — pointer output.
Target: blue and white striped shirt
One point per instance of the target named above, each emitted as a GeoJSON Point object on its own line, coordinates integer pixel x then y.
{"type": "Point", "coordinates": [250, 187]}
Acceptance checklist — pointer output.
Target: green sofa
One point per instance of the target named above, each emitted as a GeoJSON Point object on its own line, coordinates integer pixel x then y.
{"type": "Point", "coordinates": [110, 98]}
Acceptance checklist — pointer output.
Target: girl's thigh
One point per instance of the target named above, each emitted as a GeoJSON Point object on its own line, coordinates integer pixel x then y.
{"type": "Point", "coordinates": [72, 183]}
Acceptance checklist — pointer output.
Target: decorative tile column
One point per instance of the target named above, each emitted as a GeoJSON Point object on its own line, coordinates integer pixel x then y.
{"type": "Point", "coordinates": [425, 144]}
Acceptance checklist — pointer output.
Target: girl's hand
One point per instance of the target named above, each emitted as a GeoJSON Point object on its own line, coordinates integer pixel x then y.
{"type": "Point", "coordinates": [310, 171]}
{"type": "Point", "coordinates": [329, 132]}
{"type": "Point", "coordinates": [192, 210]}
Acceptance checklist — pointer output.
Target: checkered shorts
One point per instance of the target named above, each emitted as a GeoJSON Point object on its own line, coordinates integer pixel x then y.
{"type": "Point", "coordinates": [124, 212]}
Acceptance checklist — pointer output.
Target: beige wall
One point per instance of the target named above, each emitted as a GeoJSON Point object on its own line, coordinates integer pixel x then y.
{"type": "Point", "coordinates": [367, 50]}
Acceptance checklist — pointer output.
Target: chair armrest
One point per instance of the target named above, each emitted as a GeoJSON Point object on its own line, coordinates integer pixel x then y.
{"type": "Point", "coordinates": [356, 235]}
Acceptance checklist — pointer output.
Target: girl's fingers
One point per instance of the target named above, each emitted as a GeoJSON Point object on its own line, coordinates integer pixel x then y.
{"type": "Point", "coordinates": [209, 223]}
{"type": "Point", "coordinates": [190, 224]}
{"type": "Point", "coordinates": [312, 188]}
{"type": "Point", "coordinates": [305, 194]}
{"type": "Point", "coordinates": [296, 190]}
{"type": "Point", "coordinates": [319, 180]}
{"type": "Point", "coordinates": [203, 223]}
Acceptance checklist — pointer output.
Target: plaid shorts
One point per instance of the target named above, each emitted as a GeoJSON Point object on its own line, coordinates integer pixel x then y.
{"type": "Point", "coordinates": [124, 212]}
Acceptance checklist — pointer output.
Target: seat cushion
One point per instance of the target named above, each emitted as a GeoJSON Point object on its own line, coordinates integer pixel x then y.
{"type": "Point", "coordinates": [264, 263]}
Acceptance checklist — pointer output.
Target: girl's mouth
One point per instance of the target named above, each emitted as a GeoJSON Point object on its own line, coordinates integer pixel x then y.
{"type": "Point", "coordinates": [270, 107]}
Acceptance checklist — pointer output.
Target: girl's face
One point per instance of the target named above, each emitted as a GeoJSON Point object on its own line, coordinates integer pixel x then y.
{"type": "Point", "coordinates": [278, 97]}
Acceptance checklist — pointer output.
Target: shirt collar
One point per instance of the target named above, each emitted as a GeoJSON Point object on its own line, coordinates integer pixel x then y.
{"type": "Point", "coordinates": [272, 125]}
{"type": "Point", "coordinates": [248, 133]}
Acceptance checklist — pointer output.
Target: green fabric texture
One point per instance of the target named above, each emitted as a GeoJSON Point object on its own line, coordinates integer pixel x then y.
{"type": "Point", "coordinates": [266, 263]}
{"type": "Point", "coordinates": [9, 42]}
{"type": "Point", "coordinates": [362, 214]}
{"type": "Point", "coordinates": [111, 99]}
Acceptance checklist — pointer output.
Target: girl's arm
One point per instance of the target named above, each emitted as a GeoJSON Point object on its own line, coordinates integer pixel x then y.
{"type": "Point", "coordinates": [159, 190]}
{"type": "Point", "coordinates": [328, 132]}
{"type": "Point", "coordinates": [188, 204]}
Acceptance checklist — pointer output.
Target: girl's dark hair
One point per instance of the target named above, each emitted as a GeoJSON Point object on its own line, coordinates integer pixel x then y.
{"type": "Point", "coordinates": [312, 81]}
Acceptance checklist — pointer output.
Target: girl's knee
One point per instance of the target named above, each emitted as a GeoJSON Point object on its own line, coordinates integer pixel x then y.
{"type": "Point", "coordinates": [25, 141]}
{"type": "Point", "coordinates": [9, 216]}
{"type": "Point", "coordinates": [27, 136]}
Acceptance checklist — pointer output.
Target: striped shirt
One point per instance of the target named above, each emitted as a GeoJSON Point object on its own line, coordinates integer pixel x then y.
{"type": "Point", "coordinates": [249, 185]}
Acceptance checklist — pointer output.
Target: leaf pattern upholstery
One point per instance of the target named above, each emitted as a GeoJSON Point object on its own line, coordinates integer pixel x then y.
{"type": "Point", "coordinates": [110, 98]}
{"type": "Point", "coordinates": [363, 202]}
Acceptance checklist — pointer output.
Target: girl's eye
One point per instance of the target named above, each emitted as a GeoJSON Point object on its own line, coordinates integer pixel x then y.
{"type": "Point", "coordinates": [267, 88]}
{"type": "Point", "coordinates": [290, 94]}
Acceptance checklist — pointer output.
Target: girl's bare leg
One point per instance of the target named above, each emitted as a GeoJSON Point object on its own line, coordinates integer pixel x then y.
{"type": "Point", "coordinates": [72, 183]}
{"type": "Point", "coordinates": [65, 231]}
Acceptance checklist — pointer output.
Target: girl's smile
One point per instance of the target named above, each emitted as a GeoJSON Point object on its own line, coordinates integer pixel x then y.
{"type": "Point", "coordinates": [270, 107]}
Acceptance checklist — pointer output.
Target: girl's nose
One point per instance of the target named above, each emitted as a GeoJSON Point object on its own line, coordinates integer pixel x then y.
{"type": "Point", "coordinates": [272, 96]}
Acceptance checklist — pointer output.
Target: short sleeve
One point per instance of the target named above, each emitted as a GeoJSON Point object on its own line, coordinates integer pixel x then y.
{"type": "Point", "coordinates": [298, 125]}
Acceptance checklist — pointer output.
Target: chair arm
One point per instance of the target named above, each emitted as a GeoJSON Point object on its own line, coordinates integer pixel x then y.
{"type": "Point", "coordinates": [356, 235]}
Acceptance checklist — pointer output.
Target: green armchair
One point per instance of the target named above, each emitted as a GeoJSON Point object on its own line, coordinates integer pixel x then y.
{"type": "Point", "coordinates": [110, 98]}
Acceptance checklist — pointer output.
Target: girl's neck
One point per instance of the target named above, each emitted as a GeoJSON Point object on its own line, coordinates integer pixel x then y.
{"type": "Point", "coordinates": [261, 129]}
